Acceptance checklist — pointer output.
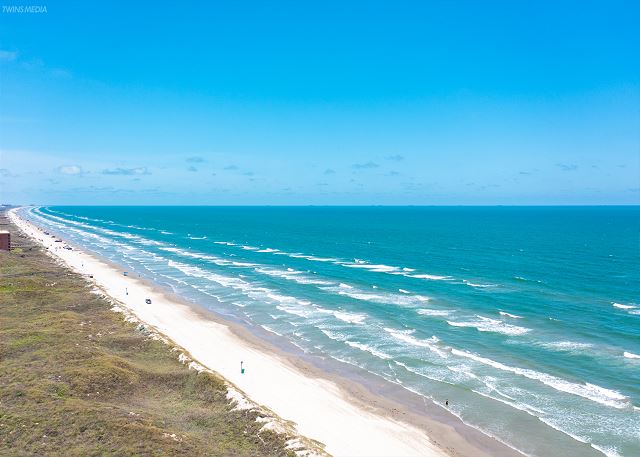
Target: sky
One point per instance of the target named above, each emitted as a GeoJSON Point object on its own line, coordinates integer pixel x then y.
{"type": "Point", "coordinates": [320, 103]}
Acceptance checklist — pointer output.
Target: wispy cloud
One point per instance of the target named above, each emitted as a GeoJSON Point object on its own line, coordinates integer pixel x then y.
{"type": "Point", "coordinates": [395, 158]}
{"type": "Point", "coordinates": [8, 55]}
{"type": "Point", "coordinates": [34, 64]}
{"type": "Point", "coordinates": [329, 171]}
{"type": "Point", "coordinates": [60, 73]}
{"type": "Point", "coordinates": [248, 173]}
{"type": "Point", "coordinates": [6, 173]}
{"type": "Point", "coordinates": [192, 168]}
{"type": "Point", "coordinates": [393, 173]}
{"type": "Point", "coordinates": [126, 171]}
{"type": "Point", "coordinates": [365, 166]}
{"type": "Point", "coordinates": [231, 167]}
{"type": "Point", "coordinates": [567, 167]}
{"type": "Point", "coordinates": [489, 186]}
{"type": "Point", "coordinates": [195, 159]}
{"type": "Point", "coordinates": [70, 169]}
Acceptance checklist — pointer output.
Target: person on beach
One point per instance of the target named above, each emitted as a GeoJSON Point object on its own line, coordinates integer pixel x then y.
{"type": "Point", "coordinates": [446, 402]}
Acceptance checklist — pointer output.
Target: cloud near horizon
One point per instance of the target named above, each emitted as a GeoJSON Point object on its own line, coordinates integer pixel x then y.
{"type": "Point", "coordinates": [567, 167]}
{"type": "Point", "coordinates": [8, 55]}
{"type": "Point", "coordinates": [365, 166]}
{"type": "Point", "coordinates": [126, 171]}
{"type": "Point", "coordinates": [70, 169]}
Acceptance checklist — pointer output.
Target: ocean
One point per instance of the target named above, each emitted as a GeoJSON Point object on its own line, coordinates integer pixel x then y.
{"type": "Point", "coordinates": [526, 319]}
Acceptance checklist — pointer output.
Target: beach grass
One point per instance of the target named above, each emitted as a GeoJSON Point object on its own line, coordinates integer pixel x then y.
{"type": "Point", "coordinates": [77, 379]}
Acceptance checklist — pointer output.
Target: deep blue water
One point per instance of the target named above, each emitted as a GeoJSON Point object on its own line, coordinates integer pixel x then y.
{"type": "Point", "coordinates": [526, 318]}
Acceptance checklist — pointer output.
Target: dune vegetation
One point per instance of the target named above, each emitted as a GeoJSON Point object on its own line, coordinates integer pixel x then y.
{"type": "Point", "coordinates": [77, 379]}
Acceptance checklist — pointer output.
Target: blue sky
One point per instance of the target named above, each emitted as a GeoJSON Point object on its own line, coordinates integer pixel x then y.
{"type": "Point", "coordinates": [323, 102]}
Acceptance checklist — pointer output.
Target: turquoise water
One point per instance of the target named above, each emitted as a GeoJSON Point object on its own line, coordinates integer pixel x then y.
{"type": "Point", "coordinates": [526, 319]}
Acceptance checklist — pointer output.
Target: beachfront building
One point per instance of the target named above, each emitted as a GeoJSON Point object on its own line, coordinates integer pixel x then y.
{"type": "Point", "coordinates": [5, 240]}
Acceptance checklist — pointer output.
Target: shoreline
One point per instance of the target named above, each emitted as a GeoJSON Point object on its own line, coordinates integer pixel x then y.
{"type": "Point", "coordinates": [293, 389]}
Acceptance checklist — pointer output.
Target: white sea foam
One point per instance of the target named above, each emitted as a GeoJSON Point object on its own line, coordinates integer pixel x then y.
{"type": "Point", "coordinates": [320, 259]}
{"type": "Point", "coordinates": [404, 291]}
{"type": "Point", "coordinates": [357, 263]}
{"type": "Point", "coordinates": [482, 286]}
{"type": "Point", "coordinates": [206, 257]}
{"type": "Point", "coordinates": [567, 346]}
{"type": "Point", "coordinates": [609, 451]}
{"type": "Point", "coordinates": [587, 390]}
{"type": "Point", "coordinates": [520, 278]}
{"type": "Point", "coordinates": [621, 306]}
{"type": "Point", "coordinates": [486, 324]}
{"type": "Point", "coordinates": [412, 370]}
{"type": "Point", "coordinates": [242, 264]}
{"type": "Point", "coordinates": [197, 237]}
{"type": "Point", "coordinates": [362, 296]}
{"type": "Point", "coordinates": [430, 277]}
{"type": "Point", "coordinates": [351, 318]}
{"type": "Point", "coordinates": [332, 335]}
{"type": "Point", "coordinates": [380, 297]}
{"type": "Point", "coordinates": [288, 304]}
{"type": "Point", "coordinates": [292, 275]}
{"type": "Point", "coordinates": [345, 286]}
{"type": "Point", "coordinates": [270, 330]}
{"type": "Point", "coordinates": [127, 235]}
{"type": "Point", "coordinates": [379, 268]}
{"type": "Point", "coordinates": [433, 312]}
{"type": "Point", "coordinates": [295, 310]}
{"type": "Point", "coordinates": [369, 349]}
{"type": "Point", "coordinates": [225, 281]}
{"type": "Point", "coordinates": [551, 424]}
{"type": "Point", "coordinates": [310, 257]}
{"type": "Point", "coordinates": [631, 355]}
{"type": "Point", "coordinates": [513, 316]}
{"type": "Point", "coordinates": [407, 337]}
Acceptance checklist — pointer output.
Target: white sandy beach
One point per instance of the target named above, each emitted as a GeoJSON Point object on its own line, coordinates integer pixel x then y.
{"type": "Point", "coordinates": [318, 407]}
